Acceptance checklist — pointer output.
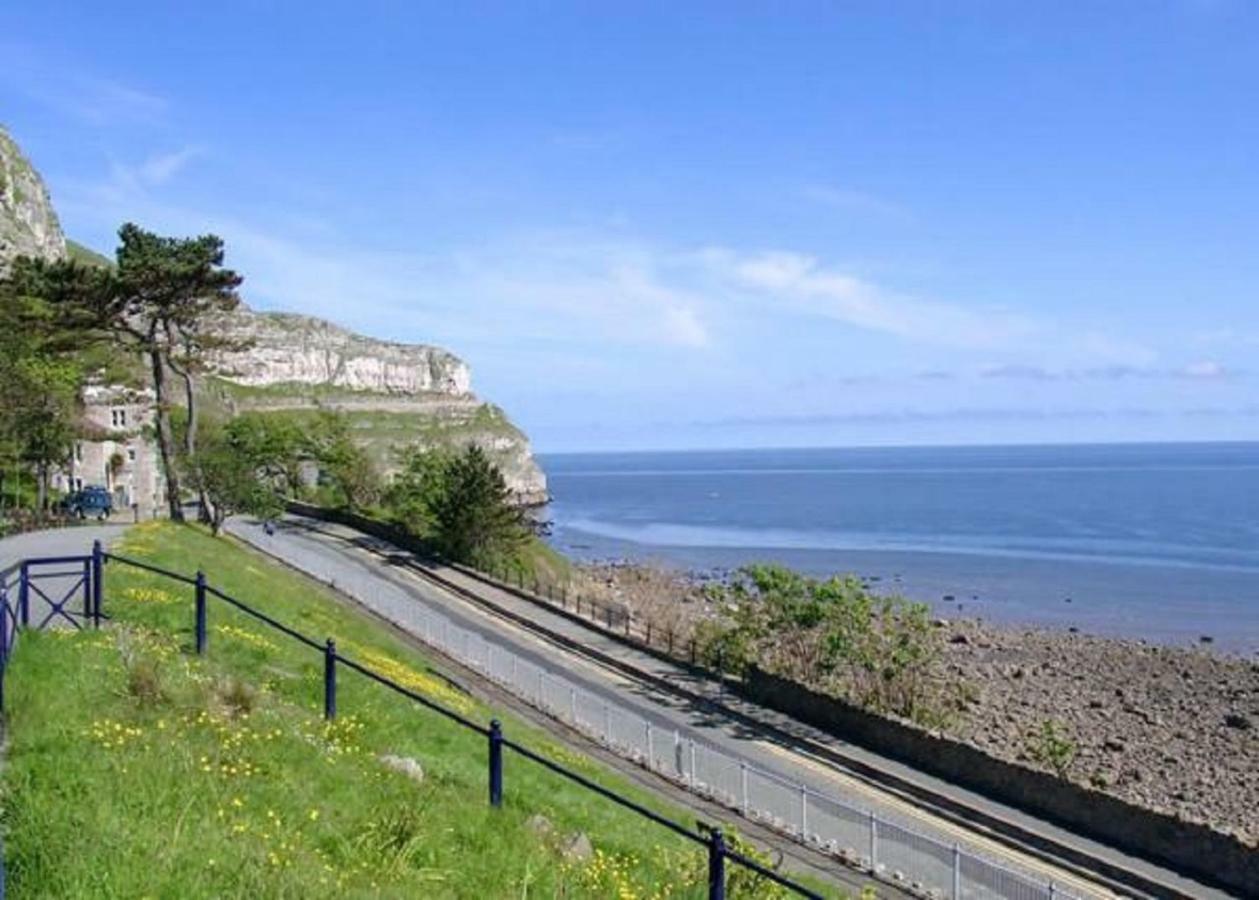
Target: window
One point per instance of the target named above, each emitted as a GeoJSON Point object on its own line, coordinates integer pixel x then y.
{"type": "Point", "coordinates": [118, 418]}
{"type": "Point", "coordinates": [78, 452]}
{"type": "Point", "coordinates": [131, 454]}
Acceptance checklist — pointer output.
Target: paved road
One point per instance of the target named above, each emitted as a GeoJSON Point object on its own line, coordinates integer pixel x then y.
{"type": "Point", "coordinates": [360, 565]}
{"type": "Point", "coordinates": [48, 583]}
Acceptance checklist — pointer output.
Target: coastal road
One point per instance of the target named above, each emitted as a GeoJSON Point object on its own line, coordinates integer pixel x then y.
{"type": "Point", "coordinates": [370, 571]}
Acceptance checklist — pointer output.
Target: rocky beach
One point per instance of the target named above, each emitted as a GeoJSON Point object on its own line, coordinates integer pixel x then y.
{"type": "Point", "coordinates": [1174, 729]}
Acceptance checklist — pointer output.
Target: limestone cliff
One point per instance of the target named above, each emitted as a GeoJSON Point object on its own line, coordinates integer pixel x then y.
{"type": "Point", "coordinates": [28, 224]}
{"type": "Point", "coordinates": [396, 395]}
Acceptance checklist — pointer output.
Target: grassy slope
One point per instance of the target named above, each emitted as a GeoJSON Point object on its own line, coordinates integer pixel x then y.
{"type": "Point", "coordinates": [112, 791]}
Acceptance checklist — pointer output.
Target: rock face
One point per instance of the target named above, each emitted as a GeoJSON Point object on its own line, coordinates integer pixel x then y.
{"type": "Point", "coordinates": [287, 348]}
{"type": "Point", "coordinates": [28, 224]}
{"type": "Point", "coordinates": [395, 395]}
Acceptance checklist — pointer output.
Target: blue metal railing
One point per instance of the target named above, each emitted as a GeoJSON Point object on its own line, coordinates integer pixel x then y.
{"type": "Point", "coordinates": [712, 838]}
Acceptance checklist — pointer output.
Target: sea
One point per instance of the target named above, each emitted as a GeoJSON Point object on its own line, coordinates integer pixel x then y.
{"type": "Point", "coordinates": [1151, 541]}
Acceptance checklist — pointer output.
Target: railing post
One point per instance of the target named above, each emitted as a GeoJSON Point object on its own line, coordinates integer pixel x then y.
{"type": "Point", "coordinates": [496, 763]}
{"type": "Point", "coordinates": [957, 873]}
{"type": "Point", "coordinates": [572, 705]}
{"type": "Point", "coordinates": [98, 582]}
{"type": "Point", "coordinates": [743, 788]}
{"type": "Point", "coordinates": [874, 842]}
{"type": "Point", "coordinates": [650, 749]}
{"type": "Point", "coordinates": [330, 680]}
{"type": "Point", "coordinates": [607, 724]}
{"type": "Point", "coordinates": [200, 617]}
{"type": "Point", "coordinates": [4, 639]}
{"type": "Point", "coordinates": [24, 596]}
{"type": "Point", "coordinates": [804, 813]}
{"type": "Point", "coordinates": [716, 865]}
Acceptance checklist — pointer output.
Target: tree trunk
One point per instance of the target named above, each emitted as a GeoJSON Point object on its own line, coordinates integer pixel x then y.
{"type": "Point", "coordinates": [41, 488]}
{"type": "Point", "coordinates": [184, 371]}
{"type": "Point", "coordinates": [190, 439]}
{"type": "Point", "coordinates": [165, 442]}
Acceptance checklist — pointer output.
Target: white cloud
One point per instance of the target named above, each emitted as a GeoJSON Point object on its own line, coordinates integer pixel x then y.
{"type": "Point", "coordinates": [853, 201]}
{"type": "Point", "coordinates": [800, 281]}
{"type": "Point", "coordinates": [160, 168]}
{"type": "Point", "coordinates": [60, 84]}
{"type": "Point", "coordinates": [1206, 369]}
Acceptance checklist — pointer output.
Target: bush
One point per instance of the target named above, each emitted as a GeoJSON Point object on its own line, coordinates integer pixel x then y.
{"type": "Point", "coordinates": [877, 651]}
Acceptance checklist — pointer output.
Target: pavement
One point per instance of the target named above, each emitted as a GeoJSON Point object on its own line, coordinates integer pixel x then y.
{"type": "Point", "coordinates": [368, 569]}
{"type": "Point", "coordinates": [54, 583]}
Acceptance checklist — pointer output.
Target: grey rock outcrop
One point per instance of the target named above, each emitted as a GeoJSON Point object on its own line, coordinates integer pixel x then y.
{"type": "Point", "coordinates": [28, 224]}
{"type": "Point", "coordinates": [287, 348]}
{"type": "Point", "coordinates": [395, 395]}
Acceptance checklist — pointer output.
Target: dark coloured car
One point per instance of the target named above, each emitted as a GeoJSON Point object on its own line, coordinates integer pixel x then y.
{"type": "Point", "coordinates": [90, 502]}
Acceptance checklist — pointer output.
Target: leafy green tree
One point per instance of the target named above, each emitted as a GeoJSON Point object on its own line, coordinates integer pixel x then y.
{"type": "Point", "coordinates": [160, 288]}
{"type": "Point", "coordinates": [475, 518]}
{"type": "Point", "coordinates": [231, 478]}
{"type": "Point", "coordinates": [417, 489]}
{"type": "Point", "coordinates": [39, 378]}
{"type": "Point", "coordinates": [343, 461]}
{"type": "Point", "coordinates": [46, 391]}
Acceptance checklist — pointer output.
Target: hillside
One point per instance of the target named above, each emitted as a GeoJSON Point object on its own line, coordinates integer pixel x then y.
{"type": "Point", "coordinates": [136, 768]}
{"type": "Point", "coordinates": [396, 395]}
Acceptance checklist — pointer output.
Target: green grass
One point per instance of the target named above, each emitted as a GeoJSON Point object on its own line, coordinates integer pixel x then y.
{"type": "Point", "coordinates": [86, 255]}
{"type": "Point", "coordinates": [136, 769]}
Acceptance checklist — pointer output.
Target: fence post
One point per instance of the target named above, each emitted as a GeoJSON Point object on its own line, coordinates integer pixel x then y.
{"type": "Point", "coordinates": [874, 842]}
{"type": "Point", "coordinates": [693, 781]}
{"type": "Point", "coordinates": [98, 582]}
{"type": "Point", "coordinates": [804, 813]}
{"type": "Point", "coordinates": [1053, 890]}
{"type": "Point", "coordinates": [4, 638]}
{"type": "Point", "coordinates": [24, 595]}
{"type": "Point", "coordinates": [200, 614]}
{"type": "Point", "coordinates": [607, 724]}
{"type": "Point", "coordinates": [743, 788]}
{"type": "Point", "coordinates": [330, 680]}
{"type": "Point", "coordinates": [572, 704]}
{"type": "Point", "coordinates": [496, 763]}
{"type": "Point", "coordinates": [957, 872]}
{"type": "Point", "coordinates": [716, 865]}
{"type": "Point", "coordinates": [647, 729]}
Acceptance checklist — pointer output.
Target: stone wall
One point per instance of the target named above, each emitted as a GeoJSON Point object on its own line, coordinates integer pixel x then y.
{"type": "Point", "coordinates": [1187, 847]}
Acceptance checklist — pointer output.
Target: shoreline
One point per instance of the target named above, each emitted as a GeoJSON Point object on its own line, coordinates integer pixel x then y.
{"type": "Point", "coordinates": [1174, 729]}
{"type": "Point", "coordinates": [1174, 606]}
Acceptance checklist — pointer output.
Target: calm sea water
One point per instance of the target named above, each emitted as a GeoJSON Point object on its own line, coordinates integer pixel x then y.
{"type": "Point", "coordinates": [1158, 541]}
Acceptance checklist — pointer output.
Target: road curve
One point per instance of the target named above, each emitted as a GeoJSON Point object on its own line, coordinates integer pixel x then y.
{"type": "Point", "coordinates": [367, 569]}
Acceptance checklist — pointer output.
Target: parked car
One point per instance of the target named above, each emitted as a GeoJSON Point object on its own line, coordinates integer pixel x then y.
{"type": "Point", "coordinates": [91, 501]}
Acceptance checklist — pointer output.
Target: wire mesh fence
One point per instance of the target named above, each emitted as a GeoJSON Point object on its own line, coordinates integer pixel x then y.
{"type": "Point", "coordinates": [881, 842]}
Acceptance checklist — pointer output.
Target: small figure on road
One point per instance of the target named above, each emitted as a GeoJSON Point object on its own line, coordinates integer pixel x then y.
{"type": "Point", "coordinates": [269, 527]}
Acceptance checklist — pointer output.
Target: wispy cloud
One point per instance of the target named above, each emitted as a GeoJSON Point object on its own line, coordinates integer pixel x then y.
{"type": "Point", "coordinates": [1199, 370]}
{"type": "Point", "coordinates": [86, 96]}
{"type": "Point", "coordinates": [853, 201]}
{"type": "Point", "coordinates": [803, 282]}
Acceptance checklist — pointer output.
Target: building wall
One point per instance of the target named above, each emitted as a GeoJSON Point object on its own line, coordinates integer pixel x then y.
{"type": "Point", "coordinates": [119, 421]}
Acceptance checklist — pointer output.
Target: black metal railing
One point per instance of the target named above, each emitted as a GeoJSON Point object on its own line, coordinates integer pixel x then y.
{"type": "Point", "coordinates": [13, 617]}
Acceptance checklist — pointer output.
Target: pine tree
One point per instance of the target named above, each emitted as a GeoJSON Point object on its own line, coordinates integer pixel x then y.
{"type": "Point", "coordinates": [475, 519]}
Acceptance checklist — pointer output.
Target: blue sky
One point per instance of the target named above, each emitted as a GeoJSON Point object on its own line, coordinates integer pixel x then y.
{"type": "Point", "coordinates": [689, 225]}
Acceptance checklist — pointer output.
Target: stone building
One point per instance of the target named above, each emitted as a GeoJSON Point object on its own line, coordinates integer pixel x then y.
{"type": "Point", "coordinates": [117, 450]}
